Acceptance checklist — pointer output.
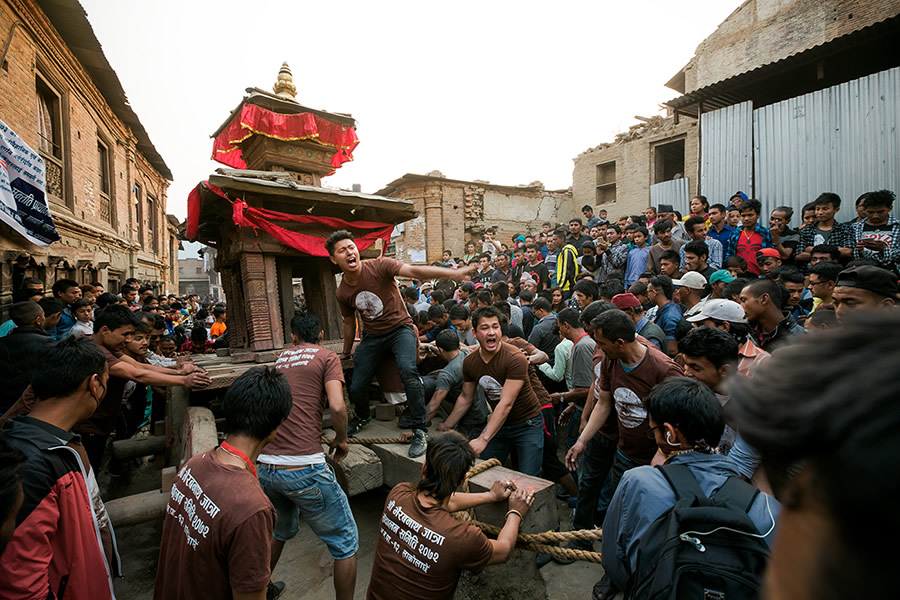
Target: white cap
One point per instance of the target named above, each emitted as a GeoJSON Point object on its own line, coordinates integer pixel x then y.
{"type": "Point", "coordinates": [691, 279]}
{"type": "Point", "coordinates": [720, 310]}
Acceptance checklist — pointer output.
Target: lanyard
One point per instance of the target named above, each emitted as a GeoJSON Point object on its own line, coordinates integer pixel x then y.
{"type": "Point", "coordinates": [229, 449]}
{"type": "Point", "coordinates": [572, 351]}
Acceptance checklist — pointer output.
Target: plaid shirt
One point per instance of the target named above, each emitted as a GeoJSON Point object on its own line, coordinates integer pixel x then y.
{"type": "Point", "coordinates": [890, 256]}
{"type": "Point", "coordinates": [841, 236]}
{"type": "Point", "coordinates": [614, 260]}
{"type": "Point", "coordinates": [731, 249]}
{"type": "Point", "coordinates": [714, 256]}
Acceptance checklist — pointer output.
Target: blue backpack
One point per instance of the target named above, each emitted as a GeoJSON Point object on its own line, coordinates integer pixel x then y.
{"type": "Point", "coordinates": [702, 548]}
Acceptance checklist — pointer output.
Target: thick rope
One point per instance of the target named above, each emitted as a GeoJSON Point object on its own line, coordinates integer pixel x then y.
{"type": "Point", "coordinates": [526, 541]}
{"type": "Point", "coordinates": [532, 541]}
{"type": "Point", "coordinates": [354, 440]}
{"type": "Point", "coordinates": [583, 535]}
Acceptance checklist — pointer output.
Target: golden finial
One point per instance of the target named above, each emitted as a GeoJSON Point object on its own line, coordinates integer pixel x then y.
{"type": "Point", "coordinates": [285, 87]}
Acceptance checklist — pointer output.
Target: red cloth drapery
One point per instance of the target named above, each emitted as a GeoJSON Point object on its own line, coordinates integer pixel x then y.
{"type": "Point", "coordinates": [303, 126]}
{"type": "Point", "coordinates": [364, 232]}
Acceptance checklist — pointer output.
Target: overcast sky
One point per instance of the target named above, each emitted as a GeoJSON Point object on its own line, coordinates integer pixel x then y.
{"type": "Point", "coordinates": [509, 92]}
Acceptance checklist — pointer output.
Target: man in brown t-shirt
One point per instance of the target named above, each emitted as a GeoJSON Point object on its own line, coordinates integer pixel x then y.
{"type": "Point", "coordinates": [295, 461]}
{"type": "Point", "coordinates": [218, 523]}
{"type": "Point", "coordinates": [630, 371]}
{"type": "Point", "coordinates": [369, 288]}
{"type": "Point", "coordinates": [421, 548]}
{"type": "Point", "coordinates": [502, 372]}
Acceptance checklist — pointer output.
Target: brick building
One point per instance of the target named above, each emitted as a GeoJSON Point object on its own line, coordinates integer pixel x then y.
{"type": "Point", "coordinates": [452, 212]}
{"type": "Point", "coordinates": [106, 184]}
{"type": "Point", "coordinates": [755, 97]}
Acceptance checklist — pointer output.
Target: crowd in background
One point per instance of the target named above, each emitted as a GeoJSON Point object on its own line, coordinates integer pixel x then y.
{"type": "Point", "coordinates": [753, 365]}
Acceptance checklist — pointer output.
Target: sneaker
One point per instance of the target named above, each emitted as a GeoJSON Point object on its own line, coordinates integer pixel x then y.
{"type": "Point", "coordinates": [419, 443]}
{"type": "Point", "coordinates": [356, 425]}
{"type": "Point", "coordinates": [274, 589]}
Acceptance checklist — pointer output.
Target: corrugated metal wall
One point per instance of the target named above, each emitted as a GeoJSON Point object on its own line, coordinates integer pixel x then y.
{"type": "Point", "coordinates": [675, 192]}
{"type": "Point", "coordinates": [726, 152]}
{"type": "Point", "coordinates": [843, 139]}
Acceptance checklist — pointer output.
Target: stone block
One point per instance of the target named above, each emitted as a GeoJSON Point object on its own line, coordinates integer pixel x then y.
{"type": "Point", "coordinates": [359, 472]}
{"type": "Point", "coordinates": [243, 357]}
{"type": "Point", "coordinates": [385, 412]}
{"type": "Point", "coordinates": [543, 515]}
{"type": "Point", "coordinates": [223, 352]}
{"type": "Point", "coordinates": [266, 357]}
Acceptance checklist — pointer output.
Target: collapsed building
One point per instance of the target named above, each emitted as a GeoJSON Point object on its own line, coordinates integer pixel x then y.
{"type": "Point", "coordinates": [453, 212]}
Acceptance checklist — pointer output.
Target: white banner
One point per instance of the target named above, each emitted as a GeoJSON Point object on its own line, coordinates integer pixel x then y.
{"type": "Point", "coordinates": [23, 203]}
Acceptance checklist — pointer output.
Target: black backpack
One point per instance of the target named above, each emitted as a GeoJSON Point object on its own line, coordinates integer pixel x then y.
{"type": "Point", "coordinates": [702, 548]}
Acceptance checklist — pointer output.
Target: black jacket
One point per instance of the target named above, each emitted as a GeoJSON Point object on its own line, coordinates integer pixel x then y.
{"type": "Point", "coordinates": [20, 357]}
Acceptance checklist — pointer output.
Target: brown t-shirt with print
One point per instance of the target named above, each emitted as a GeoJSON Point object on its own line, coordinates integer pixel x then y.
{"type": "Point", "coordinates": [507, 363]}
{"type": "Point", "coordinates": [103, 421]}
{"type": "Point", "coordinates": [217, 533]}
{"type": "Point", "coordinates": [421, 551]}
{"type": "Point", "coordinates": [629, 388]}
{"type": "Point", "coordinates": [376, 297]}
{"type": "Point", "coordinates": [307, 367]}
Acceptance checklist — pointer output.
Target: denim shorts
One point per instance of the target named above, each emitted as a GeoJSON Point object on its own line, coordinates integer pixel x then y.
{"type": "Point", "coordinates": [313, 493]}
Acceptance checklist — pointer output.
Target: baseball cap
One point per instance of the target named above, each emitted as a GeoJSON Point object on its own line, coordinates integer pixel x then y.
{"type": "Point", "coordinates": [742, 195]}
{"type": "Point", "coordinates": [720, 310]}
{"type": "Point", "coordinates": [691, 279]}
{"type": "Point", "coordinates": [768, 252]}
{"type": "Point", "coordinates": [721, 275]}
{"type": "Point", "coordinates": [872, 279]}
{"type": "Point", "coordinates": [626, 300]}
{"type": "Point", "coordinates": [426, 285]}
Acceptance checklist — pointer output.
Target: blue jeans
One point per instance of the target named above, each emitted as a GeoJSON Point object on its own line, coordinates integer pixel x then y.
{"type": "Point", "coordinates": [596, 463]}
{"type": "Point", "coordinates": [527, 438]}
{"type": "Point", "coordinates": [401, 342]}
{"type": "Point", "coordinates": [313, 493]}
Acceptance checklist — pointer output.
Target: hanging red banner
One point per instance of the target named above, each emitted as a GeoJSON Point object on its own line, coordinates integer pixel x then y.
{"type": "Point", "coordinates": [365, 233]}
{"type": "Point", "coordinates": [253, 119]}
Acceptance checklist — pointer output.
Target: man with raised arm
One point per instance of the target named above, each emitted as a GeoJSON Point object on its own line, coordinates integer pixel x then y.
{"type": "Point", "coordinates": [369, 288]}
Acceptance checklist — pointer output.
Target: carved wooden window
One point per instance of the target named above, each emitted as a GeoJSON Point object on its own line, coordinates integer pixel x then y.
{"type": "Point", "coordinates": [139, 213]}
{"type": "Point", "coordinates": [152, 223]}
{"type": "Point", "coordinates": [50, 138]}
{"type": "Point", "coordinates": [104, 184]}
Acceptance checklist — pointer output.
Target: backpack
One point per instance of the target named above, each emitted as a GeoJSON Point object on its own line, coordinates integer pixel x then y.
{"type": "Point", "coordinates": [702, 548]}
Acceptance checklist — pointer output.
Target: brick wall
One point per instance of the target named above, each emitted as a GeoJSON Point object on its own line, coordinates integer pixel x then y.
{"type": "Point", "coordinates": [760, 32]}
{"type": "Point", "coordinates": [89, 239]}
{"type": "Point", "coordinates": [635, 162]}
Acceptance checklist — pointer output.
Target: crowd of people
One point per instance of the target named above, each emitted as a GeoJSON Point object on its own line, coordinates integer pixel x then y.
{"type": "Point", "coordinates": [693, 385]}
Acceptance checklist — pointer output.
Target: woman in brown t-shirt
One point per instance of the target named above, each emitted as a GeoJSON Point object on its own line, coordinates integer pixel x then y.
{"type": "Point", "coordinates": [421, 548]}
